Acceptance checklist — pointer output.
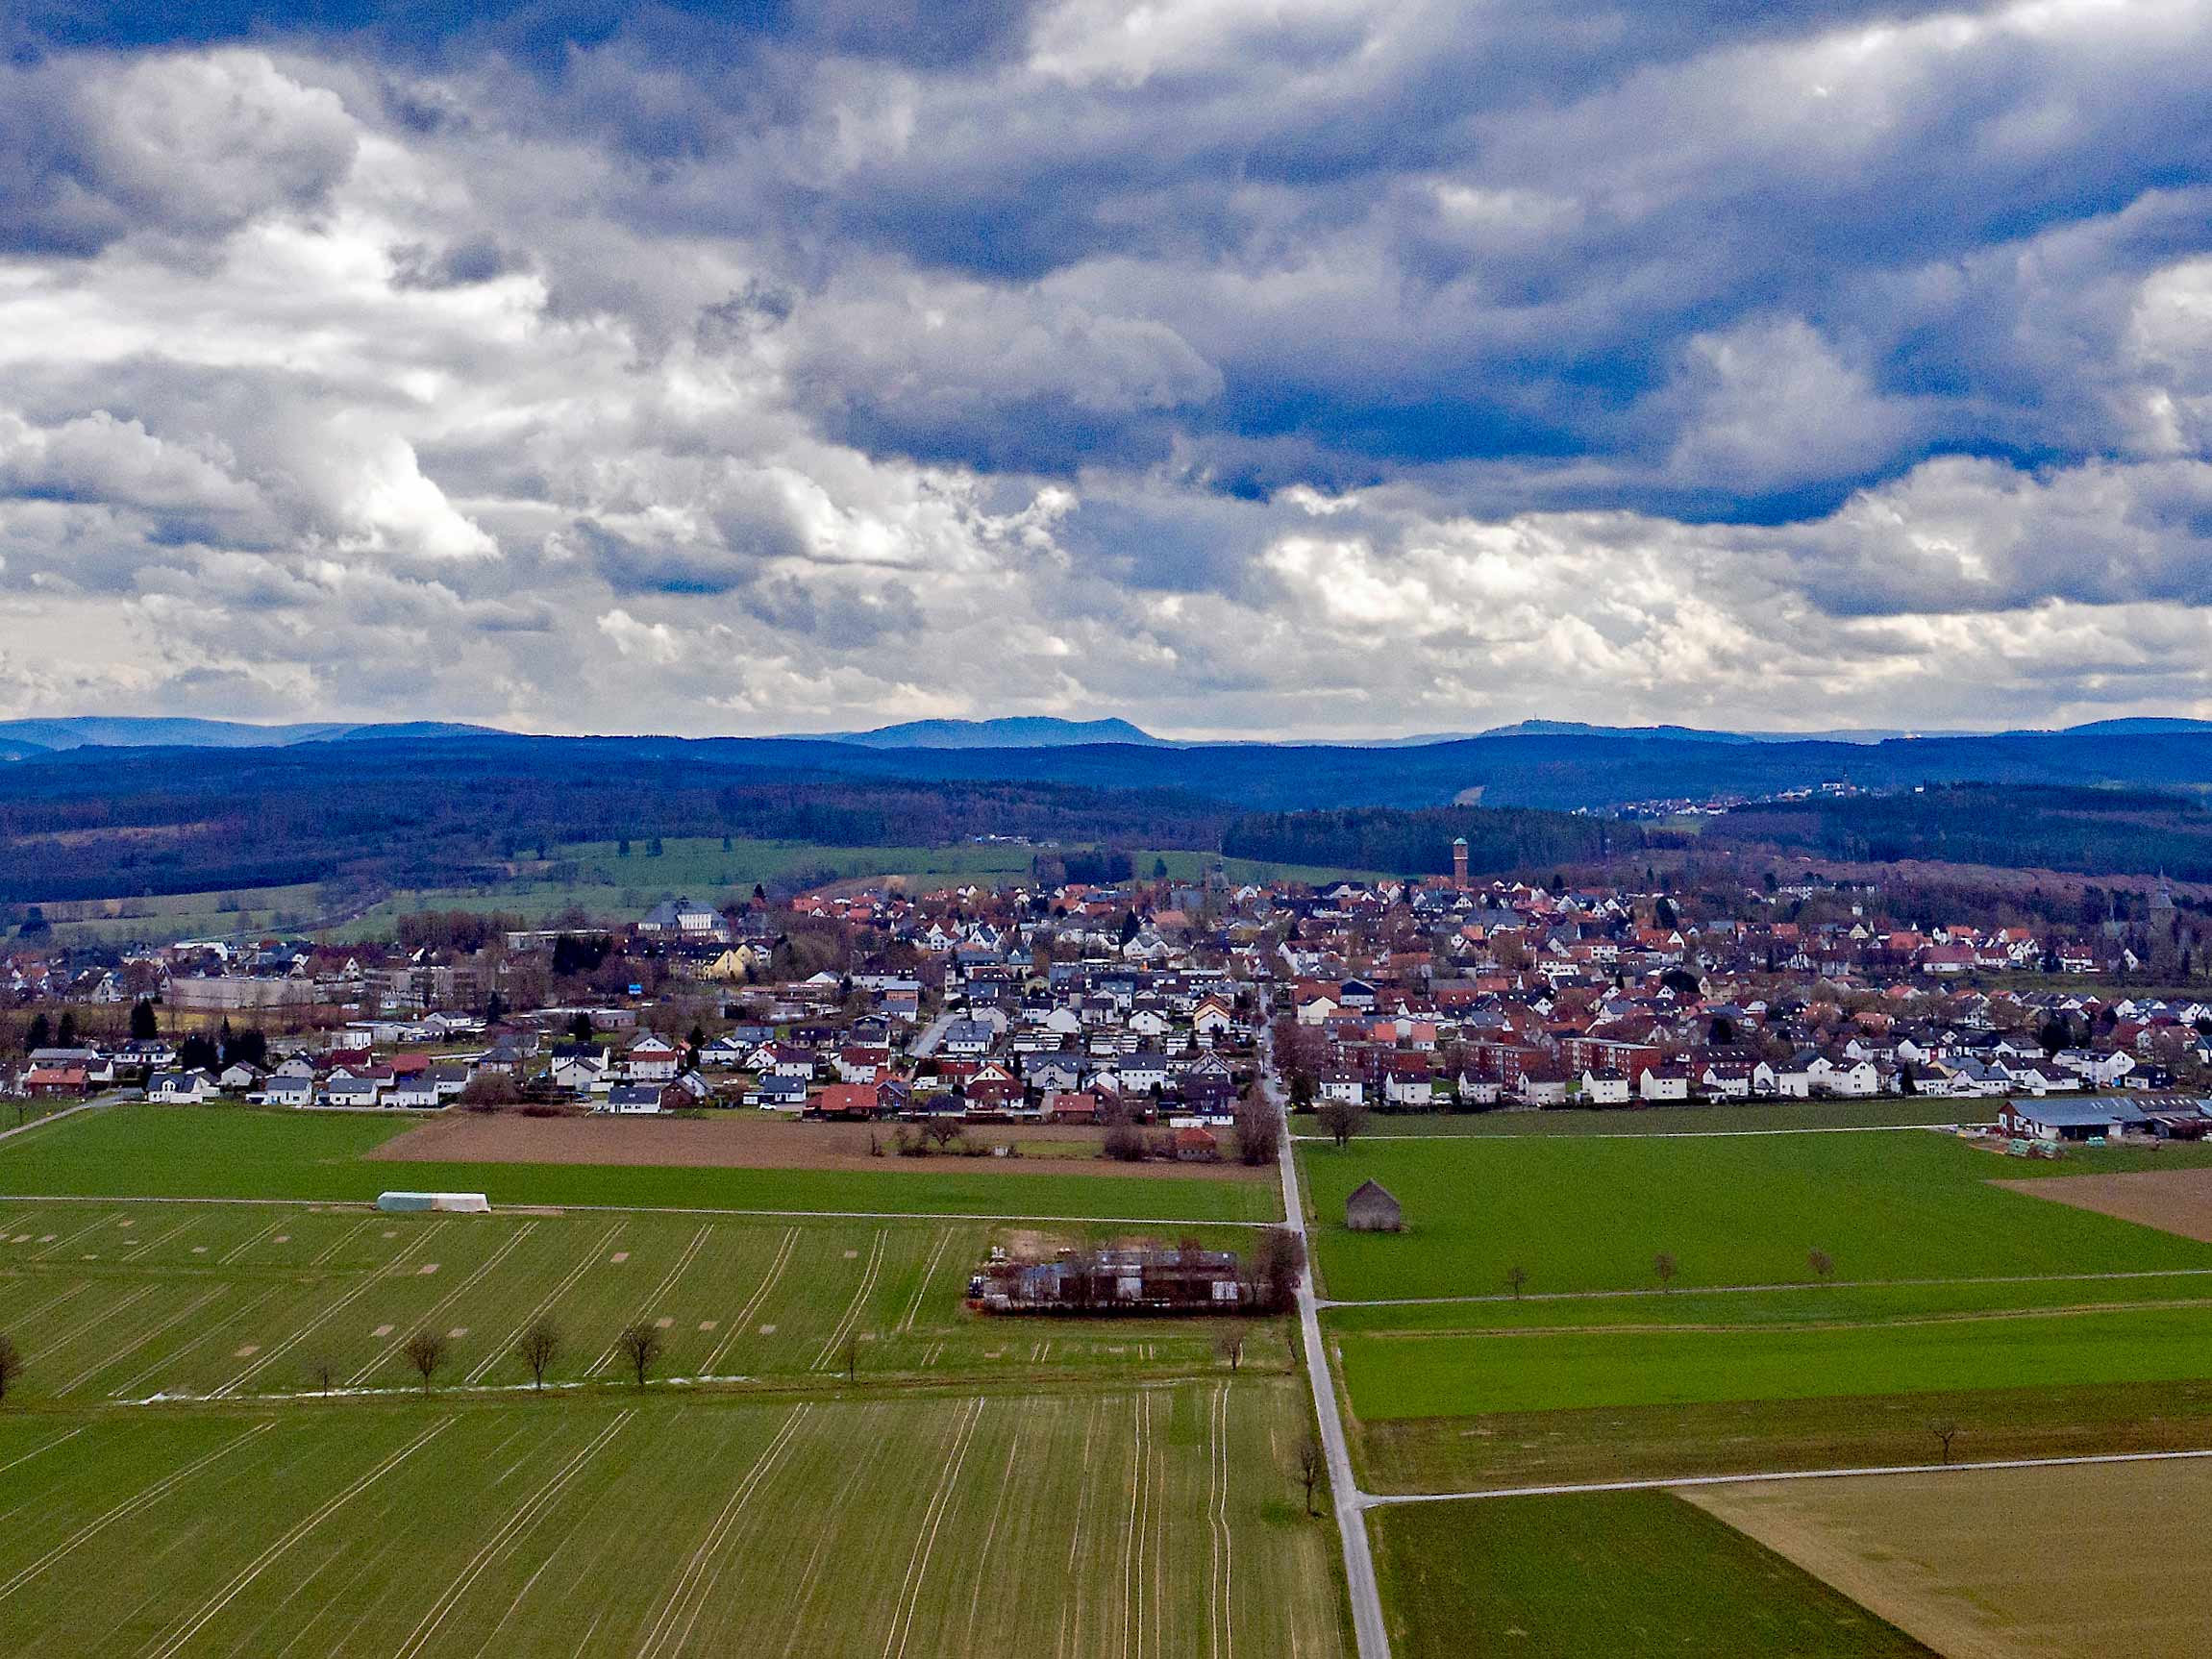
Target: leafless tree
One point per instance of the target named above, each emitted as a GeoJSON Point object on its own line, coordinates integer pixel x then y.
{"type": "Point", "coordinates": [851, 1358]}
{"type": "Point", "coordinates": [1259, 1128]}
{"type": "Point", "coordinates": [322, 1368]}
{"type": "Point", "coordinates": [1663, 1266]}
{"type": "Point", "coordinates": [1311, 1465]}
{"type": "Point", "coordinates": [11, 1363]}
{"type": "Point", "coordinates": [640, 1345]}
{"type": "Point", "coordinates": [1230, 1347]}
{"type": "Point", "coordinates": [1946, 1430]}
{"type": "Point", "coordinates": [1278, 1262]}
{"type": "Point", "coordinates": [538, 1345]}
{"type": "Point", "coordinates": [1516, 1279]}
{"type": "Point", "coordinates": [425, 1350]}
{"type": "Point", "coordinates": [1823, 1264]}
{"type": "Point", "coordinates": [1343, 1119]}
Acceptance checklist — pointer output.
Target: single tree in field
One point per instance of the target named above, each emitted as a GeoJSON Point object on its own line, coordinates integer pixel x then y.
{"type": "Point", "coordinates": [1823, 1264]}
{"type": "Point", "coordinates": [851, 1358]}
{"type": "Point", "coordinates": [1516, 1279]}
{"type": "Point", "coordinates": [322, 1368]}
{"type": "Point", "coordinates": [536, 1346]}
{"type": "Point", "coordinates": [1311, 1464]}
{"type": "Point", "coordinates": [11, 1363]}
{"type": "Point", "coordinates": [1230, 1348]}
{"type": "Point", "coordinates": [640, 1344]}
{"type": "Point", "coordinates": [1343, 1119]}
{"type": "Point", "coordinates": [1946, 1430]}
{"type": "Point", "coordinates": [1664, 1268]}
{"type": "Point", "coordinates": [425, 1350]}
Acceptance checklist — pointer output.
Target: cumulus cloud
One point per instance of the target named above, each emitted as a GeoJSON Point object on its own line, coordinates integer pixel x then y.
{"type": "Point", "coordinates": [1238, 365]}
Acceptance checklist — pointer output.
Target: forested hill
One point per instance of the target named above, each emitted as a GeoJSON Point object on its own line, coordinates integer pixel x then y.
{"type": "Point", "coordinates": [1500, 841]}
{"type": "Point", "coordinates": [2089, 831]}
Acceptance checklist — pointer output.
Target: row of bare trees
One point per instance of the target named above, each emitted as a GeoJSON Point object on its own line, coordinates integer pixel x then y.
{"type": "Point", "coordinates": [640, 1344]}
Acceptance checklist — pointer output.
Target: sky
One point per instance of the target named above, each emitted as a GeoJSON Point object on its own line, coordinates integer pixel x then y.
{"type": "Point", "coordinates": [1239, 367]}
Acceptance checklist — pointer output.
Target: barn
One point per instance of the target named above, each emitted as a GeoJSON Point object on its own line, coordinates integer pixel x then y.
{"type": "Point", "coordinates": [1371, 1209]}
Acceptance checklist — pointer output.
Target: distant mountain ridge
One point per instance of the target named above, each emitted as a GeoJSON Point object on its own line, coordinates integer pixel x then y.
{"type": "Point", "coordinates": [163, 732]}
{"type": "Point", "coordinates": [1011, 731]}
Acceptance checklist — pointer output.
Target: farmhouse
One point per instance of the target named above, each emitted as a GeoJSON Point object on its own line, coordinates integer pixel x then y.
{"type": "Point", "coordinates": [1113, 1281]}
{"type": "Point", "coordinates": [1371, 1209]}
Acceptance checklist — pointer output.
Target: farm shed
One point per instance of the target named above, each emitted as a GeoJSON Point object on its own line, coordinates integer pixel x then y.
{"type": "Point", "coordinates": [462, 1204]}
{"type": "Point", "coordinates": [2066, 1119]}
{"type": "Point", "coordinates": [1371, 1209]}
{"type": "Point", "coordinates": [1121, 1280]}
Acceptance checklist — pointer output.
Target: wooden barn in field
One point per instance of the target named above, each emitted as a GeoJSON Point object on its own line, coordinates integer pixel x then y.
{"type": "Point", "coordinates": [1371, 1209]}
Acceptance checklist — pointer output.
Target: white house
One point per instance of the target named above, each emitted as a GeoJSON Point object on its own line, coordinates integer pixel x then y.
{"type": "Point", "coordinates": [180, 1088]}
{"type": "Point", "coordinates": [1605, 1089]}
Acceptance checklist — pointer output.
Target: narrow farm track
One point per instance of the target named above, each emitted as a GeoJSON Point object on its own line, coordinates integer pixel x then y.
{"type": "Point", "coordinates": [1642, 1293]}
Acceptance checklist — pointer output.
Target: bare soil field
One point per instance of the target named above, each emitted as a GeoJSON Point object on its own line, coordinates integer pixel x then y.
{"type": "Point", "coordinates": [2172, 1201]}
{"type": "Point", "coordinates": [2002, 1563]}
{"type": "Point", "coordinates": [752, 1143]}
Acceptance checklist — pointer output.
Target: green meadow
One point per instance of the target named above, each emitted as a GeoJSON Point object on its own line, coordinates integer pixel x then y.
{"type": "Point", "coordinates": [1585, 1214]}
{"type": "Point", "coordinates": [1601, 1575]}
{"type": "Point", "coordinates": [232, 1152]}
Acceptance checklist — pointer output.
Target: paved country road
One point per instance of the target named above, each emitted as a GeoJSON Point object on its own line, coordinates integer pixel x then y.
{"type": "Point", "coordinates": [1371, 1635]}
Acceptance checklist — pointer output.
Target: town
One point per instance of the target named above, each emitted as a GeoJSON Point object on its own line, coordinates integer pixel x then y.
{"type": "Point", "coordinates": [1137, 1010]}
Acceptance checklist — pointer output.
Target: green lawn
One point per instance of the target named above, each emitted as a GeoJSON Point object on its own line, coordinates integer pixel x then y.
{"type": "Point", "coordinates": [1765, 1115]}
{"type": "Point", "coordinates": [1448, 1376]}
{"type": "Point", "coordinates": [1604, 1576]}
{"type": "Point", "coordinates": [1586, 1214]}
{"type": "Point", "coordinates": [1005, 1522]}
{"type": "Point", "coordinates": [219, 1152]}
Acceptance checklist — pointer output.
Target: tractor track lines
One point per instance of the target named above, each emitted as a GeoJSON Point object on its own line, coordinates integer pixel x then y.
{"type": "Point", "coordinates": [1133, 1535]}
{"type": "Point", "coordinates": [136, 1343]}
{"type": "Point", "coordinates": [653, 1296]}
{"type": "Point", "coordinates": [846, 1326]}
{"type": "Point", "coordinates": [1221, 1626]}
{"type": "Point", "coordinates": [914, 1307]}
{"type": "Point", "coordinates": [205, 1336]}
{"type": "Point", "coordinates": [483, 1367]}
{"type": "Point", "coordinates": [925, 1544]}
{"type": "Point", "coordinates": [445, 1302]}
{"type": "Point", "coordinates": [101, 1318]}
{"type": "Point", "coordinates": [755, 1301]}
{"type": "Point", "coordinates": [68, 1239]}
{"type": "Point", "coordinates": [152, 1493]}
{"type": "Point", "coordinates": [243, 1580]}
{"type": "Point", "coordinates": [35, 1451]}
{"type": "Point", "coordinates": [369, 1282]}
{"type": "Point", "coordinates": [506, 1537]}
{"type": "Point", "coordinates": [696, 1583]}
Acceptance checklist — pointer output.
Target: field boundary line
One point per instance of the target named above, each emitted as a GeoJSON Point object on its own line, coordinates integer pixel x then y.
{"type": "Point", "coordinates": [914, 1307]}
{"type": "Point", "coordinates": [17, 1462]}
{"type": "Point", "coordinates": [695, 1583]}
{"type": "Point", "coordinates": [926, 1542]}
{"type": "Point", "coordinates": [525, 1517]}
{"type": "Point", "coordinates": [2116, 1276]}
{"type": "Point", "coordinates": [1480, 1135]}
{"type": "Point", "coordinates": [850, 1319]}
{"type": "Point", "coordinates": [369, 1280]}
{"type": "Point", "coordinates": [197, 1622]}
{"type": "Point", "coordinates": [667, 1283]}
{"type": "Point", "coordinates": [1674, 1482]}
{"type": "Point", "coordinates": [129, 1349]}
{"type": "Point", "coordinates": [151, 1493]}
{"type": "Point", "coordinates": [785, 1214]}
{"type": "Point", "coordinates": [483, 1367]}
{"type": "Point", "coordinates": [755, 1302]}
{"type": "Point", "coordinates": [446, 1300]}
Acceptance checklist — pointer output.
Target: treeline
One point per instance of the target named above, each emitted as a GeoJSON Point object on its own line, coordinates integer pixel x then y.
{"type": "Point", "coordinates": [132, 823]}
{"type": "Point", "coordinates": [2084, 831]}
{"type": "Point", "coordinates": [1500, 841]}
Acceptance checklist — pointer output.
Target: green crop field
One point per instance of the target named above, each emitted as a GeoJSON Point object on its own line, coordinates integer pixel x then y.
{"type": "Point", "coordinates": [1156, 1522]}
{"type": "Point", "coordinates": [1597, 1575]}
{"type": "Point", "coordinates": [1585, 1214]}
{"type": "Point", "coordinates": [230, 1301]}
{"type": "Point", "coordinates": [230, 1151]}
